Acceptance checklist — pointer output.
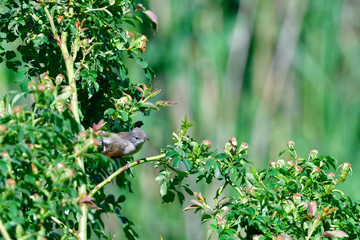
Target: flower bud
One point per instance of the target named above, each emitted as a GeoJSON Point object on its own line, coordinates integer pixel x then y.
{"type": "Point", "coordinates": [297, 198]}
{"type": "Point", "coordinates": [82, 135]}
{"type": "Point", "coordinates": [18, 109]}
{"type": "Point", "coordinates": [244, 147]}
{"type": "Point", "coordinates": [123, 101]}
{"type": "Point", "coordinates": [34, 168]}
{"type": "Point", "coordinates": [315, 172]}
{"type": "Point", "coordinates": [221, 223]}
{"type": "Point", "coordinates": [59, 79]}
{"type": "Point", "coordinates": [272, 164]}
{"type": "Point", "coordinates": [281, 163]}
{"type": "Point", "coordinates": [31, 85]}
{"type": "Point", "coordinates": [298, 170]}
{"type": "Point", "coordinates": [67, 175]}
{"type": "Point", "coordinates": [2, 129]}
{"type": "Point", "coordinates": [41, 88]}
{"type": "Point", "coordinates": [290, 164]}
{"type": "Point", "coordinates": [206, 143]}
{"type": "Point", "coordinates": [250, 189]}
{"type": "Point", "coordinates": [60, 166]}
{"type": "Point", "coordinates": [314, 154]}
{"type": "Point", "coordinates": [345, 170]}
{"type": "Point", "coordinates": [5, 155]}
{"type": "Point", "coordinates": [291, 145]}
{"type": "Point", "coordinates": [233, 141]}
{"type": "Point", "coordinates": [289, 206]}
{"type": "Point", "coordinates": [10, 184]}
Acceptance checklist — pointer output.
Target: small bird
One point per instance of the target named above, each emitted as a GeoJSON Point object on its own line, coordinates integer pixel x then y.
{"type": "Point", "coordinates": [122, 144]}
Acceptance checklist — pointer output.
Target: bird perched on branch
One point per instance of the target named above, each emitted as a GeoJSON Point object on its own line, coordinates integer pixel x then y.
{"type": "Point", "coordinates": [122, 144]}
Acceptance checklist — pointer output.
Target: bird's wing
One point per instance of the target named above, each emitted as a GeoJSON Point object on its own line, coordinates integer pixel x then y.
{"type": "Point", "coordinates": [115, 148]}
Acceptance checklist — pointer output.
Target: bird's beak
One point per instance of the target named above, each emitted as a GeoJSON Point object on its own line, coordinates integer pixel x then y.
{"type": "Point", "coordinates": [146, 139]}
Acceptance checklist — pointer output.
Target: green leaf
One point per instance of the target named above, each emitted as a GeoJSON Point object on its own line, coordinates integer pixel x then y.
{"type": "Point", "coordinates": [181, 197]}
{"type": "Point", "coordinates": [176, 162]}
{"type": "Point", "coordinates": [142, 63]}
{"type": "Point", "coordinates": [217, 170]}
{"type": "Point", "coordinates": [124, 115]}
{"type": "Point", "coordinates": [188, 164]}
{"type": "Point", "coordinates": [222, 156]}
{"type": "Point", "coordinates": [163, 189]}
{"type": "Point", "coordinates": [17, 98]}
{"type": "Point", "coordinates": [10, 55]}
{"type": "Point", "coordinates": [20, 74]}
{"type": "Point", "coordinates": [169, 197]}
{"type": "Point", "coordinates": [148, 105]}
{"type": "Point", "coordinates": [109, 111]}
{"type": "Point", "coordinates": [171, 154]}
{"type": "Point", "coordinates": [3, 167]}
{"type": "Point", "coordinates": [205, 217]}
{"type": "Point", "coordinates": [209, 164]}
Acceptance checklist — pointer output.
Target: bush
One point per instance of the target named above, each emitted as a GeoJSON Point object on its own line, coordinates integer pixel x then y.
{"type": "Point", "coordinates": [70, 59]}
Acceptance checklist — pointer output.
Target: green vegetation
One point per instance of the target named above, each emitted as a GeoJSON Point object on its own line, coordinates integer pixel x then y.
{"type": "Point", "coordinates": [264, 71]}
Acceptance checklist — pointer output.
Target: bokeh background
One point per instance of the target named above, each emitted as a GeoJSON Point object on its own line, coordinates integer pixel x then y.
{"type": "Point", "coordinates": [265, 71]}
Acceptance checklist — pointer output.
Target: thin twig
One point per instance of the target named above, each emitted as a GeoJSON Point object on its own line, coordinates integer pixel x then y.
{"type": "Point", "coordinates": [122, 169]}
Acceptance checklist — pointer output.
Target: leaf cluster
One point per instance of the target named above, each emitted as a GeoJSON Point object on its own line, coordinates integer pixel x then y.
{"type": "Point", "coordinates": [291, 199]}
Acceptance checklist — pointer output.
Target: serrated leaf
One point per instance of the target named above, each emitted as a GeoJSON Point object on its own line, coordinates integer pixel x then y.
{"type": "Point", "coordinates": [188, 164]}
{"type": "Point", "coordinates": [176, 162]}
{"type": "Point", "coordinates": [171, 154]}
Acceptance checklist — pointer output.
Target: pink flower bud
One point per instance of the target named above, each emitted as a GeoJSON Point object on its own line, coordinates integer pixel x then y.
{"type": "Point", "coordinates": [10, 184]}
{"type": "Point", "coordinates": [314, 154]}
{"type": "Point", "coordinates": [2, 129]}
{"type": "Point", "coordinates": [297, 198]}
{"type": "Point", "coordinates": [345, 170]}
{"type": "Point", "coordinates": [281, 163]}
{"type": "Point", "coordinates": [291, 145]}
{"type": "Point", "coordinates": [206, 143]}
{"type": "Point", "coordinates": [18, 109]}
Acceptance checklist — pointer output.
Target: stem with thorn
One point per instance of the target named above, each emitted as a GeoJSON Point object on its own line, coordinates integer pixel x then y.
{"type": "Point", "coordinates": [69, 63]}
{"type": "Point", "coordinates": [122, 169]}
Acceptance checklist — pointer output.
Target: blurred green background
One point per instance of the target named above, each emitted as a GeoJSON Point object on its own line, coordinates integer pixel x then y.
{"type": "Point", "coordinates": [264, 71]}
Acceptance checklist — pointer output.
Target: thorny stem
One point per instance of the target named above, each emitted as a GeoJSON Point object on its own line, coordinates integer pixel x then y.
{"type": "Point", "coordinates": [4, 232]}
{"type": "Point", "coordinates": [122, 169]}
{"type": "Point", "coordinates": [69, 63]}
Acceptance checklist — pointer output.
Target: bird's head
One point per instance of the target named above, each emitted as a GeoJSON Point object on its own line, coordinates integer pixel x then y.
{"type": "Point", "coordinates": [138, 136]}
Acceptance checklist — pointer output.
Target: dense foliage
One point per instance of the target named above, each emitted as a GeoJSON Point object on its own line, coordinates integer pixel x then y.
{"type": "Point", "coordinates": [70, 60]}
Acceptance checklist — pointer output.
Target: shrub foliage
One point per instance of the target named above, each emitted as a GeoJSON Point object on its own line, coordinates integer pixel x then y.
{"type": "Point", "coordinates": [69, 59]}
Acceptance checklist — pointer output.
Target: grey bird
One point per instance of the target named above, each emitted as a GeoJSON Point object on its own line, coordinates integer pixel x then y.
{"type": "Point", "coordinates": [122, 144]}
